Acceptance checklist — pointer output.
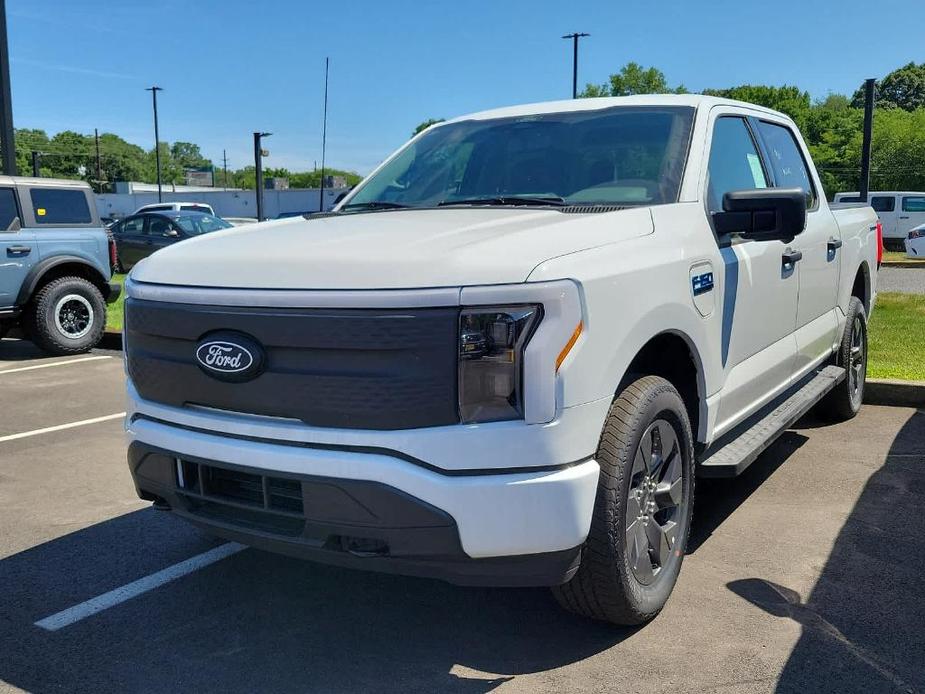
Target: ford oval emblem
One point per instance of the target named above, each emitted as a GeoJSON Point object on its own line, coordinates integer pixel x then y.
{"type": "Point", "coordinates": [230, 356]}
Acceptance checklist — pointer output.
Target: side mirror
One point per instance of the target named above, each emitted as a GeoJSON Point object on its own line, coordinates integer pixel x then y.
{"type": "Point", "coordinates": [763, 214]}
{"type": "Point", "coordinates": [172, 233]}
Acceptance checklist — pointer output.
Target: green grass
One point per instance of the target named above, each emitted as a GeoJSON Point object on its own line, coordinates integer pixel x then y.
{"type": "Point", "coordinates": [114, 311]}
{"type": "Point", "coordinates": [896, 338]}
{"type": "Point", "coordinates": [901, 257]}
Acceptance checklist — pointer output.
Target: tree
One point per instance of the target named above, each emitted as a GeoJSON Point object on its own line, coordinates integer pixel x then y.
{"type": "Point", "coordinates": [903, 88]}
{"type": "Point", "coordinates": [633, 78]}
{"type": "Point", "coordinates": [426, 124]}
{"type": "Point", "coordinates": [786, 99]}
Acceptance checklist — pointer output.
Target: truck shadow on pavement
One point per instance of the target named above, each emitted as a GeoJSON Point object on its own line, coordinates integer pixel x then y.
{"type": "Point", "coordinates": [262, 622]}
{"type": "Point", "coordinates": [864, 621]}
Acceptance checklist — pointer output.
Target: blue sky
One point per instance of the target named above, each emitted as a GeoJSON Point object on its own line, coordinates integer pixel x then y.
{"type": "Point", "coordinates": [230, 67]}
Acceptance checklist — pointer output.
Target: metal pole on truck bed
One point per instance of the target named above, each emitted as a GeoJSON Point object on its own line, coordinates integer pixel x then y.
{"type": "Point", "coordinates": [864, 187]}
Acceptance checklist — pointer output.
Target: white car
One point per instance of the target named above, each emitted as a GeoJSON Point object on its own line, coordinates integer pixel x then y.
{"type": "Point", "coordinates": [506, 355]}
{"type": "Point", "coordinates": [915, 243]}
{"type": "Point", "coordinates": [176, 207]}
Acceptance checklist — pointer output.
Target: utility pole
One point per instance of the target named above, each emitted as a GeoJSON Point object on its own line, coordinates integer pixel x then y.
{"type": "Point", "coordinates": [36, 163]}
{"type": "Point", "coordinates": [7, 144]}
{"type": "Point", "coordinates": [157, 139]}
{"type": "Point", "coordinates": [225, 170]}
{"type": "Point", "coordinates": [324, 135]}
{"type": "Point", "coordinates": [575, 38]}
{"type": "Point", "coordinates": [258, 171]}
{"type": "Point", "coordinates": [864, 188]}
{"type": "Point", "coordinates": [99, 166]}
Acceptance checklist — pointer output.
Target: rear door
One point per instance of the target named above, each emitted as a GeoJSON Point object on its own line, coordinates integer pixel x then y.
{"type": "Point", "coordinates": [130, 240]}
{"type": "Point", "coordinates": [18, 252]}
{"type": "Point", "coordinates": [911, 214]}
{"type": "Point", "coordinates": [820, 244]}
{"type": "Point", "coordinates": [759, 292]}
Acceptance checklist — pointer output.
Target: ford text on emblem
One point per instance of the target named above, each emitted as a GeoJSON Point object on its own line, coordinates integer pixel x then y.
{"type": "Point", "coordinates": [230, 356]}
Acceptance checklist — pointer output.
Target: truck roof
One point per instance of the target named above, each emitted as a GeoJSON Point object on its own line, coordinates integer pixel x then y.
{"type": "Point", "coordinates": [693, 100]}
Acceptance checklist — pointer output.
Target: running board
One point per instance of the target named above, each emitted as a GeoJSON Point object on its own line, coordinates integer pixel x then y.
{"type": "Point", "coordinates": [732, 458]}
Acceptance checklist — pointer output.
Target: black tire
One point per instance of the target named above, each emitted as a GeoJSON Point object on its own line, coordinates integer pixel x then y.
{"type": "Point", "coordinates": [606, 586]}
{"type": "Point", "coordinates": [66, 316]}
{"type": "Point", "coordinates": [844, 401]}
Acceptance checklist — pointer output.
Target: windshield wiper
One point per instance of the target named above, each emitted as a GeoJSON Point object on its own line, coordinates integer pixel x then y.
{"type": "Point", "coordinates": [375, 205]}
{"type": "Point", "coordinates": [512, 200]}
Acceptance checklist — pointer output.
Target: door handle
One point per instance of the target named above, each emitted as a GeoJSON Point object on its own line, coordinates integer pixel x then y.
{"type": "Point", "coordinates": [834, 244]}
{"type": "Point", "coordinates": [18, 250]}
{"type": "Point", "coordinates": [904, 216]}
{"type": "Point", "coordinates": [791, 257]}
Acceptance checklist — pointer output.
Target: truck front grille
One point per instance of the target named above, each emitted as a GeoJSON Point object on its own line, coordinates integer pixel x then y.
{"type": "Point", "coordinates": [350, 368]}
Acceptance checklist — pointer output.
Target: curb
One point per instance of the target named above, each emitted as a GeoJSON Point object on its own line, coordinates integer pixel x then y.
{"type": "Point", "coordinates": [882, 391]}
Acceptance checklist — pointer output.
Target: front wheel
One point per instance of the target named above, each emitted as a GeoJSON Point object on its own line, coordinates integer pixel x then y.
{"type": "Point", "coordinates": [67, 316]}
{"type": "Point", "coordinates": [642, 512]}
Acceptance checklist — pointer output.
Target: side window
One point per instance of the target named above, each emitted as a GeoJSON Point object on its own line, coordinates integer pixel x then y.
{"type": "Point", "coordinates": [883, 203]}
{"type": "Point", "coordinates": [60, 206]}
{"type": "Point", "coordinates": [158, 226]}
{"type": "Point", "coordinates": [734, 161]}
{"type": "Point", "coordinates": [133, 225]}
{"type": "Point", "coordinates": [914, 204]}
{"type": "Point", "coordinates": [8, 209]}
{"type": "Point", "coordinates": [787, 163]}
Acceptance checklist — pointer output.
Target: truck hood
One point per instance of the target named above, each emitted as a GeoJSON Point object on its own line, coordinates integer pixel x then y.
{"type": "Point", "coordinates": [399, 249]}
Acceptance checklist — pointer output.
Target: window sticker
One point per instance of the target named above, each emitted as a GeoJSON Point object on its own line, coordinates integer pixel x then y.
{"type": "Point", "coordinates": [40, 211]}
{"type": "Point", "coordinates": [754, 163]}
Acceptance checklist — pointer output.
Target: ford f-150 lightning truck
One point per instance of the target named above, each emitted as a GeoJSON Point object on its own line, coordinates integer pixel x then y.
{"type": "Point", "coordinates": [506, 356]}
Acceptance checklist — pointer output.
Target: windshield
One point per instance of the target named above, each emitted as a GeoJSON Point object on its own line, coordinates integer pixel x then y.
{"type": "Point", "coordinates": [200, 223]}
{"type": "Point", "coordinates": [624, 155]}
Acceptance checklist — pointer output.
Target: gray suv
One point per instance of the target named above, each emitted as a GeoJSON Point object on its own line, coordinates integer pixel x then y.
{"type": "Point", "coordinates": [55, 263]}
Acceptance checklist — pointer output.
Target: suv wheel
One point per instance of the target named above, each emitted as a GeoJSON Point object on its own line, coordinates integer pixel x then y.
{"type": "Point", "coordinates": [642, 512]}
{"type": "Point", "coordinates": [67, 316]}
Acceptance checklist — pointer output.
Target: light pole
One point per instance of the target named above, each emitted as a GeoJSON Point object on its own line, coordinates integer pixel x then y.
{"type": "Point", "coordinates": [575, 38]}
{"type": "Point", "coordinates": [258, 171]}
{"type": "Point", "coordinates": [7, 146]}
{"type": "Point", "coordinates": [157, 139]}
{"type": "Point", "coordinates": [324, 135]}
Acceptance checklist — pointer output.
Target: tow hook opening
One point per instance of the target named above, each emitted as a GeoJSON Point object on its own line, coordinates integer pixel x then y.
{"type": "Point", "coordinates": [358, 546]}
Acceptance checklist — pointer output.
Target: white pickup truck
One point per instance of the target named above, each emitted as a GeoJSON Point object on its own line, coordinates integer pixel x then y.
{"type": "Point", "coordinates": [506, 355]}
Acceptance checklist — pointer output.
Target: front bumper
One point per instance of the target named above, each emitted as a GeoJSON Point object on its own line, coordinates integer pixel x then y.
{"type": "Point", "coordinates": [352, 523]}
{"type": "Point", "coordinates": [497, 527]}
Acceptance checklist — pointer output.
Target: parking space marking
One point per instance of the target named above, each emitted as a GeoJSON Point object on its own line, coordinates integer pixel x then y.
{"type": "Point", "coordinates": [54, 363]}
{"type": "Point", "coordinates": [60, 427]}
{"type": "Point", "coordinates": [59, 620]}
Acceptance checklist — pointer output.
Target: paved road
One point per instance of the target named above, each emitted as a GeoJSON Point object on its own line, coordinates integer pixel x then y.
{"type": "Point", "coordinates": [805, 574]}
{"type": "Point", "coordinates": [910, 280]}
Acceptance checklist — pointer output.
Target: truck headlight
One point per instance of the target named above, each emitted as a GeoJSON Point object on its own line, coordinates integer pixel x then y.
{"type": "Point", "coordinates": [491, 347]}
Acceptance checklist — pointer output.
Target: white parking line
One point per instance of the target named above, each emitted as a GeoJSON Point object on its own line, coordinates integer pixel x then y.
{"type": "Point", "coordinates": [54, 363]}
{"type": "Point", "coordinates": [115, 597]}
{"type": "Point", "coordinates": [60, 427]}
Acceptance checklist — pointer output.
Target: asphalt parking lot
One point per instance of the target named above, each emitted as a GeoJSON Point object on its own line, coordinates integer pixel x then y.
{"type": "Point", "coordinates": [805, 574]}
{"type": "Point", "coordinates": [909, 280]}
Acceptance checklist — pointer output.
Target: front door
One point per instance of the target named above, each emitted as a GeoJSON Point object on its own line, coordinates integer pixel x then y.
{"type": "Point", "coordinates": [911, 214]}
{"type": "Point", "coordinates": [759, 291]}
{"type": "Point", "coordinates": [18, 251]}
{"type": "Point", "coordinates": [885, 207]}
{"type": "Point", "coordinates": [131, 240]}
{"type": "Point", "coordinates": [820, 244]}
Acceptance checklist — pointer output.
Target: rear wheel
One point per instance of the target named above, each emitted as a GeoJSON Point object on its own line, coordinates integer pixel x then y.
{"type": "Point", "coordinates": [642, 512]}
{"type": "Point", "coordinates": [844, 401]}
{"type": "Point", "coordinates": [67, 316]}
